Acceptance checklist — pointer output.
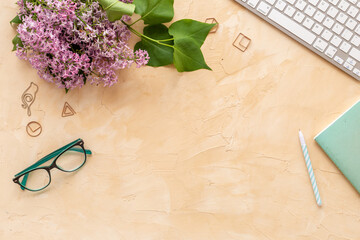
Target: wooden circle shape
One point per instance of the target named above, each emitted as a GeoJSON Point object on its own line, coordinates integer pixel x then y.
{"type": "Point", "coordinates": [33, 129]}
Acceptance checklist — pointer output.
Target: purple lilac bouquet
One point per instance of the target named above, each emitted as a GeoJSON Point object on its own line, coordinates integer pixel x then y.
{"type": "Point", "coordinates": [70, 42]}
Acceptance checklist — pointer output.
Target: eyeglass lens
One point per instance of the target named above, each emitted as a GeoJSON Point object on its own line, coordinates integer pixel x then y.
{"type": "Point", "coordinates": [72, 159]}
{"type": "Point", "coordinates": [36, 180]}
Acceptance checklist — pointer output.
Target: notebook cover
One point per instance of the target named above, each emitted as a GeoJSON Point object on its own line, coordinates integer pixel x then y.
{"type": "Point", "coordinates": [341, 142]}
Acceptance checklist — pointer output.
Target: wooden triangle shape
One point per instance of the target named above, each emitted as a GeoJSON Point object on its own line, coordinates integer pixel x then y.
{"type": "Point", "coordinates": [67, 110]}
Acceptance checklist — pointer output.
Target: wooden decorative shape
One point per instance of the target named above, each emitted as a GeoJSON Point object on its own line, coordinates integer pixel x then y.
{"type": "Point", "coordinates": [28, 97]}
{"type": "Point", "coordinates": [67, 110]}
{"type": "Point", "coordinates": [211, 21]}
{"type": "Point", "coordinates": [242, 42]}
{"type": "Point", "coordinates": [33, 129]}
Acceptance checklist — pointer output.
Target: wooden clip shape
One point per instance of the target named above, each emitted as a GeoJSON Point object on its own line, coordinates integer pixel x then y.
{"type": "Point", "coordinates": [67, 110]}
{"type": "Point", "coordinates": [242, 42]}
{"type": "Point", "coordinates": [33, 129]}
{"type": "Point", "coordinates": [211, 21]}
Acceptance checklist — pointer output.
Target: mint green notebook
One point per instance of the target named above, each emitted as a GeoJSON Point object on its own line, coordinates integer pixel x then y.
{"type": "Point", "coordinates": [341, 142]}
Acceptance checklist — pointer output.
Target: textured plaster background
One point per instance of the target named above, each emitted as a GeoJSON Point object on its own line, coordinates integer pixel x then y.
{"type": "Point", "coordinates": [201, 155]}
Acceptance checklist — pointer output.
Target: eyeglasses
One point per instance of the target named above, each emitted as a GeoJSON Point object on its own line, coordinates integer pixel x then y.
{"type": "Point", "coordinates": [69, 158]}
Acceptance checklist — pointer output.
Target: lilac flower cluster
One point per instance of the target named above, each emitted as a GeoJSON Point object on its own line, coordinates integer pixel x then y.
{"type": "Point", "coordinates": [72, 41]}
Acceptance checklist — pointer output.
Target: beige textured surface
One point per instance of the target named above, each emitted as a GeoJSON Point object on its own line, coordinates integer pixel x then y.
{"type": "Point", "coordinates": [202, 155]}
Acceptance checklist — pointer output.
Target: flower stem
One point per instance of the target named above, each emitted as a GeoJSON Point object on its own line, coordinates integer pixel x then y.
{"type": "Point", "coordinates": [135, 22]}
{"type": "Point", "coordinates": [81, 19]}
{"type": "Point", "coordinates": [165, 40]}
{"type": "Point", "coordinates": [96, 74]}
{"type": "Point", "coordinates": [144, 36]}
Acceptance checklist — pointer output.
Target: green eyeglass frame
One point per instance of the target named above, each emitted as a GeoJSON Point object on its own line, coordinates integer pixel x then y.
{"type": "Point", "coordinates": [77, 146]}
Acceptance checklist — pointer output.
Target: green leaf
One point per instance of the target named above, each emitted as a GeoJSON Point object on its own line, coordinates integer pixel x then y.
{"type": "Point", "coordinates": [191, 30]}
{"type": "Point", "coordinates": [188, 57]}
{"type": "Point", "coordinates": [16, 20]}
{"type": "Point", "coordinates": [17, 41]}
{"type": "Point", "coordinates": [116, 9]}
{"type": "Point", "coordinates": [155, 11]}
{"type": "Point", "coordinates": [160, 55]}
{"type": "Point", "coordinates": [189, 35]}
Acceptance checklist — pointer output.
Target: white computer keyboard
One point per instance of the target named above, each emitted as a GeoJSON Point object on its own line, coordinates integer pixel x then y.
{"type": "Point", "coordinates": [329, 28]}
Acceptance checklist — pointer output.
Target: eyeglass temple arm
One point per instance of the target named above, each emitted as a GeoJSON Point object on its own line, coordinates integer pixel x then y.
{"type": "Point", "coordinates": [47, 158]}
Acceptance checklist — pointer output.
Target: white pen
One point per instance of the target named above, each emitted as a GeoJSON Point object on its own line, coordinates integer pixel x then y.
{"type": "Point", "coordinates": [309, 168]}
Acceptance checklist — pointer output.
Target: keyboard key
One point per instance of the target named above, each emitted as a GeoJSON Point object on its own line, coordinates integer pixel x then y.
{"type": "Point", "coordinates": [351, 23]}
{"type": "Point", "coordinates": [253, 3]}
{"type": "Point", "coordinates": [310, 10]}
{"type": "Point", "coordinates": [353, 11]}
{"type": "Point", "coordinates": [308, 23]}
{"type": "Point", "coordinates": [317, 29]}
{"type": "Point", "coordinates": [320, 44]}
{"type": "Point", "coordinates": [332, 11]}
{"type": "Point", "coordinates": [341, 18]}
{"type": "Point", "coordinates": [347, 34]}
{"type": "Point", "coordinates": [289, 10]}
{"type": "Point", "coordinates": [300, 5]}
{"type": "Point", "coordinates": [357, 30]}
{"type": "Point", "coordinates": [330, 51]}
{"type": "Point", "coordinates": [280, 5]}
{"type": "Point", "coordinates": [358, 17]}
{"type": "Point", "coordinates": [356, 71]}
{"type": "Point", "coordinates": [271, 2]}
{"type": "Point", "coordinates": [343, 5]}
{"type": "Point", "coordinates": [336, 41]}
{"type": "Point", "coordinates": [337, 28]}
{"type": "Point", "coordinates": [314, 2]}
{"type": "Point", "coordinates": [326, 35]}
{"type": "Point", "coordinates": [264, 8]}
{"type": "Point", "coordinates": [345, 47]}
{"type": "Point", "coordinates": [348, 66]}
{"type": "Point", "coordinates": [334, 2]}
{"type": "Point", "coordinates": [299, 17]}
{"type": "Point", "coordinates": [292, 26]}
{"type": "Point", "coordinates": [319, 16]}
{"type": "Point", "coordinates": [355, 54]}
{"type": "Point", "coordinates": [356, 40]}
{"type": "Point", "coordinates": [291, 1]}
{"type": "Point", "coordinates": [339, 60]}
{"type": "Point", "coordinates": [328, 22]}
{"type": "Point", "coordinates": [351, 61]}
{"type": "Point", "coordinates": [323, 6]}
